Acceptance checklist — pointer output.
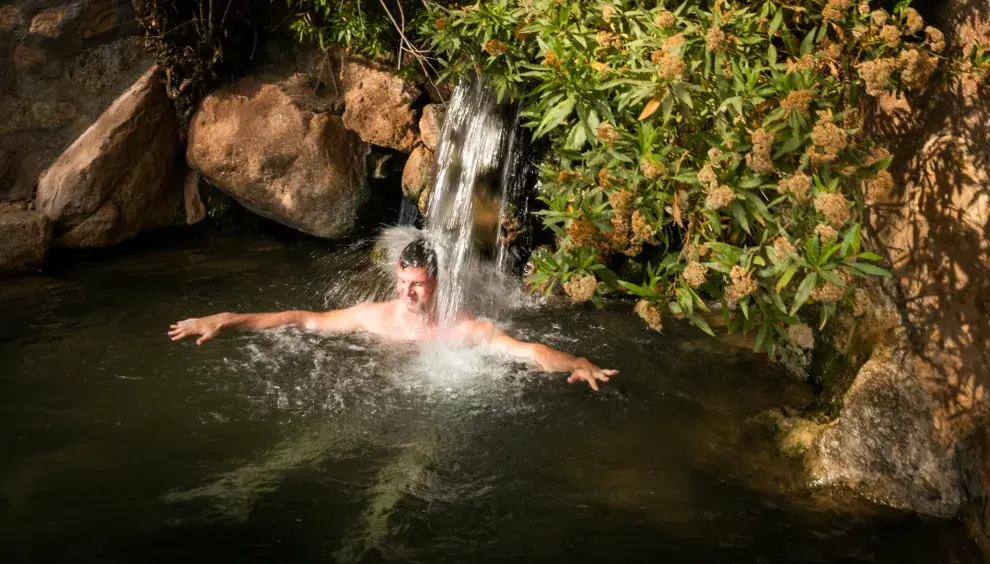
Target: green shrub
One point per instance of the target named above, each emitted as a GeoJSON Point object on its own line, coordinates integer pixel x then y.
{"type": "Point", "coordinates": [699, 151]}
{"type": "Point", "coordinates": [704, 149]}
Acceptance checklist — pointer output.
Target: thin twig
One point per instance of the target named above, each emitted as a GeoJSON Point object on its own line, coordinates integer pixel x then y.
{"type": "Point", "coordinates": [416, 52]}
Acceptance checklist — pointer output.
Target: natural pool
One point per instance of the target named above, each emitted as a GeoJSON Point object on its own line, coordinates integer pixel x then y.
{"type": "Point", "coordinates": [121, 446]}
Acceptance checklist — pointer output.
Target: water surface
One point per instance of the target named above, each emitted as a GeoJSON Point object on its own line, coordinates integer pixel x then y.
{"type": "Point", "coordinates": [121, 446]}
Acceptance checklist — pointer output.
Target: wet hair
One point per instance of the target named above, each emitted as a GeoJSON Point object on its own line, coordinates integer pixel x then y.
{"type": "Point", "coordinates": [419, 253]}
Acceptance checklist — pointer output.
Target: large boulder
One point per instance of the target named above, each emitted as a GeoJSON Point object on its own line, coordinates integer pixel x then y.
{"type": "Point", "coordinates": [279, 159]}
{"type": "Point", "coordinates": [26, 235]}
{"type": "Point", "coordinates": [378, 106]}
{"type": "Point", "coordinates": [115, 179]}
{"type": "Point", "coordinates": [62, 63]}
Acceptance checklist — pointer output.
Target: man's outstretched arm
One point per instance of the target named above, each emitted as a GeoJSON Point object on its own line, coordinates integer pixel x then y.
{"type": "Point", "coordinates": [206, 328]}
{"type": "Point", "coordinates": [547, 358]}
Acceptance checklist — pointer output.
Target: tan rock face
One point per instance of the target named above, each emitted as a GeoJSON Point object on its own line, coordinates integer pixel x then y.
{"type": "Point", "coordinates": [416, 174]}
{"type": "Point", "coordinates": [115, 180]}
{"type": "Point", "coordinates": [26, 236]}
{"type": "Point", "coordinates": [293, 165]}
{"type": "Point", "coordinates": [925, 389]}
{"type": "Point", "coordinates": [378, 106]}
{"type": "Point", "coordinates": [430, 125]}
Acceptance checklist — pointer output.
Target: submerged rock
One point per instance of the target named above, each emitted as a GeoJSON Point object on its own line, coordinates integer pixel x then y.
{"type": "Point", "coordinates": [26, 236]}
{"type": "Point", "coordinates": [886, 442]}
{"type": "Point", "coordinates": [286, 162]}
{"type": "Point", "coordinates": [116, 179]}
{"type": "Point", "coordinates": [378, 106]}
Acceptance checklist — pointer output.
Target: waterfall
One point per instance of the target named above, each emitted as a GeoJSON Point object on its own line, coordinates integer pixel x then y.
{"type": "Point", "coordinates": [477, 171]}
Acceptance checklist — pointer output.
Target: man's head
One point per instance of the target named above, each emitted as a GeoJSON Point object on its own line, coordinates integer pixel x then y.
{"type": "Point", "coordinates": [416, 276]}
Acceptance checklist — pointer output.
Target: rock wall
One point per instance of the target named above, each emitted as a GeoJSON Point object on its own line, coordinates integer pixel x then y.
{"type": "Point", "coordinates": [62, 63]}
{"type": "Point", "coordinates": [905, 433]}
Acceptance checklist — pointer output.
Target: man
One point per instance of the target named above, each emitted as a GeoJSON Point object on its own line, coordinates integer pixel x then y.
{"type": "Point", "coordinates": [410, 317]}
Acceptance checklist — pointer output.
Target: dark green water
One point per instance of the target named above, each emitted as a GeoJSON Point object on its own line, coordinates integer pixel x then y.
{"type": "Point", "coordinates": [121, 446]}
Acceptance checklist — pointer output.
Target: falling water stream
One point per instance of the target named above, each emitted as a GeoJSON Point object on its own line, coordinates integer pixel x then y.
{"type": "Point", "coordinates": [120, 446]}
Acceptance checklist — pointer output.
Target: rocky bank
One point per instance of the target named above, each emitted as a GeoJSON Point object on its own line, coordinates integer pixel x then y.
{"type": "Point", "coordinates": [91, 153]}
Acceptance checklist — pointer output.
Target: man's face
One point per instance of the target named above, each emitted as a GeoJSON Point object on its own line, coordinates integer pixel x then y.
{"type": "Point", "coordinates": [416, 288]}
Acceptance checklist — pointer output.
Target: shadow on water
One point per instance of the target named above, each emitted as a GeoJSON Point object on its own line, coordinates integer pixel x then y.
{"type": "Point", "coordinates": [121, 446]}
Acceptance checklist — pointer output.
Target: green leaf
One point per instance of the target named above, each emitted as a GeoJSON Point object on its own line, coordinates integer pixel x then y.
{"type": "Point", "coordinates": [555, 116]}
{"type": "Point", "coordinates": [701, 323]}
{"type": "Point", "coordinates": [803, 291]}
{"type": "Point", "coordinates": [635, 289]}
{"type": "Point", "coordinates": [869, 256]}
{"type": "Point", "coordinates": [777, 19]}
{"type": "Point", "coordinates": [850, 243]}
{"type": "Point", "coordinates": [761, 334]}
{"type": "Point", "coordinates": [869, 269]}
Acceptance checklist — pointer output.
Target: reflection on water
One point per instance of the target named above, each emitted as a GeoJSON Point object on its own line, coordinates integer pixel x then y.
{"type": "Point", "coordinates": [121, 446]}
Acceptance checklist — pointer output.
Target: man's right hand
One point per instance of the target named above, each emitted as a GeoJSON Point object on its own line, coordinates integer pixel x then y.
{"type": "Point", "coordinates": [206, 327]}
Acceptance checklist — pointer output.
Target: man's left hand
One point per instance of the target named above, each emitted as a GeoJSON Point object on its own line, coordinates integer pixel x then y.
{"type": "Point", "coordinates": [591, 374]}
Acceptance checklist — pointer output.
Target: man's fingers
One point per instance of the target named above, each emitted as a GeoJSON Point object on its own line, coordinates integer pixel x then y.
{"type": "Point", "coordinates": [207, 336]}
{"type": "Point", "coordinates": [610, 371]}
{"type": "Point", "coordinates": [592, 382]}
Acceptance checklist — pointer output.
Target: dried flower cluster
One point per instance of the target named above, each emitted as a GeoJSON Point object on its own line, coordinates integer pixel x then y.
{"type": "Point", "coordinates": [581, 287]}
{"type": "Point", "coordinates": [935, 39]}
{"type": "Point", "coordinates": [565, 176]}
{"type": "Point", "coordinates": [608, 11]}
{"type": "Point", "coordinates": [833, 10]}
{"type": "Point", "coordinates": [876, 75]}
{"type": "Point", "coordinates": [916, 68]}
{"type": "Point", "coordinates": [805, 63]}
{"type": "Point", "coordinates": [826, 233]}
{"type": "Point", "coordinates": [707, 177]}
{"type": "Point", "coordinates": [742, 284]}
{"type": "Point", "coordinates": [879, 186]}
{"type": "Point", "coordinates": [551, 59]}
{"type": "Point", "coordinates": [758, 157]}
{"type": "Point", "coordinates": [608, 39]}
{"type": "Point", "coordinates": [891, 36]}
{"type": "Point", "coordinates": [665, 18]}
{"type": "Point", "coordinates": [643, 231]}
{"type": "Point", "coordinates": [783, 248]}
{"type": "Point", "coordinates": [673, 42]}
{"type": "Point", "coordinates": [695, 274]}
{"type": "Point", "coordinates": [650, 314]}
{"type": "Point", "coordinates": [719, 197]}
{"type": "Point", "coordinates": [834, 207]}
{"type": "Point", "coordinates": [440, 23]}
{"type": "Point", "coordinates": [580, 233]}
{"type": "Point", "coordinates": [828, 138]}
{"type": "Point", "coordinates": [797, 186]}
{"type": "Point", "coordinates": [650, 169]}
{"type": "Point", "coordinates": [797, 101]}
{"type": "Point", "coordinates": [495, 47]}
{"type": "Point", "coordinates": [607, 134]}
{"type": "Point", "coordinates": [914, 22]}
{"type": "Point", "coordinates": [878, 17]}
{"type": "Point", "coordinates": [715, 39]}
{"type": "Point", "coordinates": [672, 66]}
